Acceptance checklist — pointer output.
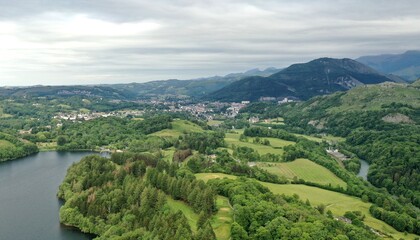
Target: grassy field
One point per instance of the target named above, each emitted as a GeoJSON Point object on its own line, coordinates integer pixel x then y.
{"type": "Point", "coordinates": [84, 110]}
{"type": "Point", "coordinates": [6, 144]}
{"type": "Point", "coordinates": [320, 139]}
{"type": "Point", "coordinates": [168, 154]}
{"type": "Point", "coordinates": [222, 221]}
{"type": "Point", "coordinates": [304, 169]}
{"type": "Point", "coordinates": [372, 97]}
{"type": "Point", "coordinates": [207, 176]}
{"type": "Point", "coordinates": [4, 115]}
{"type": "Point", "coordinates": [273, 121]}
{"type": "Point", "coordinates": [47, 146]}
{"type": "Point", "coordinates": [333, 138]}
{"type": "Point", "coordinates": [188, 212]}
{"type": "Point", "coordinates": [275, 147]}
{"type": "Point", "coordinates": [312, 138]}
{"type": "Point", "coordinates": [338, 203]}
{"type": "Point", "coordinates": [64, 106]}
{"type": "Point", "coordinates": [214, 122]}
{"type": "Point", "coordinates": [178, 128]}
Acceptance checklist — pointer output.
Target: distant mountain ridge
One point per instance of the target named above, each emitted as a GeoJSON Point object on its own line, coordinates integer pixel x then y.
{"type": "Point", "coordinates": [305, 80]}
{"type": "Point", "coordinates": [405, 65]}
{"type": "Point", "coordinates": [129, 91]}
{"type": "Point", "coordinates": [190, 88]}
{"type": "Point", "coordinates": [64, 91]}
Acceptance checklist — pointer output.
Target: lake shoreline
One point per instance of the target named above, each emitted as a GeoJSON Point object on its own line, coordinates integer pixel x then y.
{"type": "Point", "coordinates": [28, 193]}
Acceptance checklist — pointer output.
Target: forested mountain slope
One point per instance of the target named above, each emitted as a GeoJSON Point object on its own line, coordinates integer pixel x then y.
{"type": "Point", "coordinates": [188, 88]}
{"type": "Point", "coordinates": [63, 91]}
{"type": "Point", "coordinates": [405, 65]}
{"type": "Point", "coordinates": [126, 197]}
{"type": "Point", "coordinates": [318, 77]}
{"type": "Point", "coordinates": [381, 123]}
{"type": "Point", "coordinates": [172, 88]}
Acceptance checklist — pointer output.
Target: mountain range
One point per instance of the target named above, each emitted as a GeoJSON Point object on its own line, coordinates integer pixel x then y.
{"type": "Point", "coordinates": [65, 91]}
{"type": "Point", "coordinates": [318, 77]}
{"type": "Point", "coordinates": [194, 88]}
{"type": "Point", "coordinates": [405, 65]}
{"type": "Point", "coordinates": [300, 81]}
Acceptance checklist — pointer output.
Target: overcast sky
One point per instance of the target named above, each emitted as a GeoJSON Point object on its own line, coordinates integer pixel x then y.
{"type": "Point", "coordinates": [53, 42]}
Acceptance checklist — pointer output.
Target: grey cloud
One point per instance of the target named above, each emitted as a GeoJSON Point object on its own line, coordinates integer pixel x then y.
{"type": "Point", "coordinates": [79, 41]}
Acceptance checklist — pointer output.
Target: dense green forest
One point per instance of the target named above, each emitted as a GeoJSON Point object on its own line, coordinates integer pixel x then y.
{"type": "Point", "coordinates": [28, 123]}
{"type": "Point", "coordinates": [386, 133]}
{"type": "Point", "coordinates": [211, 143]}
{"type": "Point", "coordinates": [260, 214]}
{"type": "Point", "coordinates": [12, 147]}
{"type": "Point", "coordinates": [302, 81]}
{"type": "Point", "coordinates": [401, 214]}
{"type": "Point", "coordinates": [132, 195]}
{"type": "Point", "coordinates": [121, 133]}
{"type": "Point", "coordinates": [125, 197]}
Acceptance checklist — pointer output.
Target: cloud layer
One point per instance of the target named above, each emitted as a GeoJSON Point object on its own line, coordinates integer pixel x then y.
{"type": "Point", "coordinates": [110, 41]}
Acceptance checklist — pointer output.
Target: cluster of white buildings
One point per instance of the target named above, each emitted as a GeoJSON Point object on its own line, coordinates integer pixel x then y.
{"type": "Point", "coordinates": [90, 116]}
{"type": "Point", "coordinates": [234, 108]}
{"type": "Point", "coordinates": [285, 100]}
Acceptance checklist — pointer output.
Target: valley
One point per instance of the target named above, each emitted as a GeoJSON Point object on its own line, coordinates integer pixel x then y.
{"type": "Point", "coordinates": [336, 202]}
{"type": "Point", "coordinates": [209, 120]}
{"type": "Point", "coordinates": [200, 169]}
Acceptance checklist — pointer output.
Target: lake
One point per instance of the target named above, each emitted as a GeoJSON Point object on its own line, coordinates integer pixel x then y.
{"type": "Point", "coordinates": [29, 207]}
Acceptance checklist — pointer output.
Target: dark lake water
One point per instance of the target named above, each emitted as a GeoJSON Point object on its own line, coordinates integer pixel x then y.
{"type": "Point", "coordinates": [29, 208]}
{"type": "Point", "coordinates": [364, 169]}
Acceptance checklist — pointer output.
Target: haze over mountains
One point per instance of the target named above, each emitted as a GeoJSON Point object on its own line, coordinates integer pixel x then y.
{"type": "Point", "coordinates": [302, 81]}
{"type": "Point", "coordinates": [189, 88]}
{"type": "Point", "coordinates": [172, 88]}
{"type": "Point", "coordinates": [405, 65]}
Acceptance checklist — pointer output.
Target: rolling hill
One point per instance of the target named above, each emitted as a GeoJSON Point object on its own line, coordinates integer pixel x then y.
{"type": "Point", "coordinates": [188, 88]}
{"type": "Point", "coordinates": [64, 91]}
{"type": "Point", "coordinates": [405, 65]}
{"type": "Point", "coordinates": [173, 88]}
{"type": "Point", "coordinates": [318, 77]}
{"type": "Point", "coordinates": [381, 124]}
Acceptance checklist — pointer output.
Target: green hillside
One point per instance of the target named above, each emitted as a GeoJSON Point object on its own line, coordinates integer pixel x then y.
{"type": "Point", "coordinates": [336, 202]}
{"type": "Point", "coordinates": [275, 147]}
{"type": "Point", "coordinates": [179, 127]}
{"type": "Point", "coordinates": [416, 83]}
{"type": "Point", "coordinates": [406, 65]}
{"type": "Point", "coordinates": [374, 97]}
{"type": "Point", "coordinates": [187, 88]}
{"type": "Point", "coordinates": [126, 197]}
{"type": "Point", "coordinates": [318, 77]}
{"type": "Point", "coordinates": [381, 124]}
{"type": "Point", "coordinates": [12, 147]}
{"type": "Point", "coordinates": [304, 169]}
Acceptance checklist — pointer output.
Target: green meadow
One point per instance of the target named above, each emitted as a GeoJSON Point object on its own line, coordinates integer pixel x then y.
{"type": "Point", "coordinates": [223, 219]}
{"type": "Point", "coordinates": [214, 122]}
{"type": "Point", "coordinates": [304, 169]}
{"type": "Point", "coordinates": [6, 144]}
{"type": "Point", "coordinates": [185, 209]}
{"type": "Point", "coordinates": [179, 127]}
{"type": "Point", "coordinates": [220, 222]}
{"type": "Point", "coordinates": [338, 203]}
{"type": "Point", "coordinates": [275, 147]}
